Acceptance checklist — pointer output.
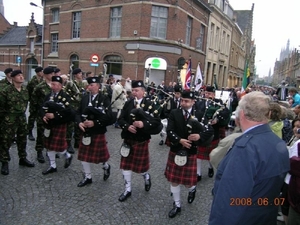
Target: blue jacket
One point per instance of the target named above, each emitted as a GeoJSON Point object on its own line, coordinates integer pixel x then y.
{"type": "Point", "coordinates": [296, 99]}
{"type": "Point", "coordinates": [249, 179]}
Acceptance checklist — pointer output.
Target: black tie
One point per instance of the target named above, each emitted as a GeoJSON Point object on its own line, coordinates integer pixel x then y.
{"type": "Point", "coordinates": [186, 114]}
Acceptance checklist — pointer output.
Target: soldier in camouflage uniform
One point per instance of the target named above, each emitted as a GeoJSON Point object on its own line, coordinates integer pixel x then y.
{"type": "Point", "coordinates": [14, 100]}
{"type": "Point", "coordinates": [37, 99]}
{"type": "Point", "coordinates": [3, 83]}
{"type": "Point", "coordinates": [75, 89]}
{"type": "Point", "coordinates": [7, 80]}
{"type": "Point", "coordinates": [35, 80]}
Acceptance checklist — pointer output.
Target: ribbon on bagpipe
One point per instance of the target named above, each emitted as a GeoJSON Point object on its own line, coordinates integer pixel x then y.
{"type": "Point", "coordinates": [151, 114]}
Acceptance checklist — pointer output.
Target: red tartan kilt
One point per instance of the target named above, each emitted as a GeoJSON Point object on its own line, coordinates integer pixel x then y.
{"type": "Point", "coordinates": [203, 152]}
{"type": "Point", "coordinates": [138, 159]}
{"type": "Point", "coordinates": [167, 142]}
{"type": "Point", "coordinates": [186, 175]}
{"type": "Point", "coordinates": [96, 152]}
{"type": "Point", "coordinates": [57, 139]}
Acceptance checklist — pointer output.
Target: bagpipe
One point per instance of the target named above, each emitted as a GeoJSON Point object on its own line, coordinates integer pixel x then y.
{"type": "Point", "coordinates": [63, 113]}
{"type": "Point", "coordinates": [150, 114]}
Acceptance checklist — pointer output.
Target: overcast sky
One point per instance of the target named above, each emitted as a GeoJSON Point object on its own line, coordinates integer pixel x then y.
{"type": "Point", "coordinates": [274, 23]}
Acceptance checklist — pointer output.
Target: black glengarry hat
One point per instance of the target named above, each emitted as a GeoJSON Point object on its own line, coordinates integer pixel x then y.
{"type": "Point", "coordinates": [137, 83]}
{"type": "Point", "coordinates": [91, 80]}
{"type": "Point", "coordinates": [188, 94]}
{"type": "Point", "coordinates": [56, 79]}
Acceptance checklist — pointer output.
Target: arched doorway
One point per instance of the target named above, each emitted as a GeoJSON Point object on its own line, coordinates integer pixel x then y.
{"type": "Point", "coordinates": [31, 64]}
{"type": "Point", "coordinates": [113, 66]}
{"type": "Point", "coordinates": [74, 63]}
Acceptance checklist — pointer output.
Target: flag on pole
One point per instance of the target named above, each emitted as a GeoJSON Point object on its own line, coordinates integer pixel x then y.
{"type": "Point", "coordinates": [246, 78]}
{"type": "Point", "coordinates": [198, 78]}
{"type": "Point", "coordinates": [187, 84]}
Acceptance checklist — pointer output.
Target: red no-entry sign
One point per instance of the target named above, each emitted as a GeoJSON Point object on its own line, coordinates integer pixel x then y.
{"type": "Point", "coordinates": [95, 58]}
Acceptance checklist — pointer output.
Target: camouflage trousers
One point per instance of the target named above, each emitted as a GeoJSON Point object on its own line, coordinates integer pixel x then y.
{"type": "Point", "coordinates": [31, 119]}
{"type": "Point", "coordinates": [73, 128]}
{"type": "Point", "coordinates": [11, 126]}
{"type": "Point", "coordinates": [39, 144]}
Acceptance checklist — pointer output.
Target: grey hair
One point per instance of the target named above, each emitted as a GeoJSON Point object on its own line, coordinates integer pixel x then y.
{"type": "Point", "coordinates": [256, 106]}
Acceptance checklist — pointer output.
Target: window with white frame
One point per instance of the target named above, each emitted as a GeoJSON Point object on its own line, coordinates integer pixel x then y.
{"type": "Point", "coordinates": [54, 43]}
{"type": "Point", "coordinates": [76, 25]}
{"type": "Point", "coordinates": [188, 31]}
{"type": "Point", "coordinates": [55, 15]}
{"type": "Point", "coordinates": [31, 45]}
{"type": "Point", "coordinates": [115, 22]}
{"type": "Point", "coordinates": [159, 18]}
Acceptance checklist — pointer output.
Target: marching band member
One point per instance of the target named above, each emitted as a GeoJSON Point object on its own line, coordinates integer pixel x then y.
{"type": "Point", "coordinates": [136, 133]}
{"type": "Point", "coordinates": [56, 113]}
{"type": "Point", "coordinates": [218, 118]}
{"type": "Point", "coordinates": [93, 115]}
{"type": "Point", "coordinates": [185, 133]}
{"type": "Point", "coordinates": [172, 103]}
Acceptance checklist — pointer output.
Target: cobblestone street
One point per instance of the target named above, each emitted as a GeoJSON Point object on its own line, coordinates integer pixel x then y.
{"type": "Point", "coordinates": [28, 197]}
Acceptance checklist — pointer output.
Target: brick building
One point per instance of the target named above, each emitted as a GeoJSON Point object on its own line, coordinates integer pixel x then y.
{"type": "Point", "coordinates": [20, 46]}
{"type": "Point", "coordinates": [132, 38]}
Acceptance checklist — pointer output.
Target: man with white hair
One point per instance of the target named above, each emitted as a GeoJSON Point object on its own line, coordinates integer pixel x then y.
{"type": "Point", "coordinates": [250, 177]}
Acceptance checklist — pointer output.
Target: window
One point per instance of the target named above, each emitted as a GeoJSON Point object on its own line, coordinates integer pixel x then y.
{"type": "Point", "coordinates": [115, 22]}
{"type": "Point", "coordinates": [55, 15]}
{"type": "Point", "coordinates": [201, 38]}
{"type": "Point", "coordinates": [54, 43]}
{"type": "Point", "coordinates": [159, 17]}
{"type": "Point", "coordinates": [188, 31]}
{"type": "Point", "coordinates": [223, 42]}
{"type": "Point", "coordinates": [76, 25]}
{"type": "Point", "coordinates": [212, 33]}
{"type": "Point", "coordinates": [31, 45]}
{"type": "Point", "coordinates": [217, 41]}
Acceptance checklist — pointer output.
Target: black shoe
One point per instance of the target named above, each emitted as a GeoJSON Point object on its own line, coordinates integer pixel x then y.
{"type": "Point", "coordinates": [84, 182]}
{"type": "Point", "coordinates": [191, 195]}
{"type": "Point", "coordinates": [68, 161]}
{"type": "Point", "coordinates": [40, 157]}
{"type": "Point", "coordinates": [148, 183]}
{"type": "Point", "coordinates": [106, 173]}
{"type": "Point", "coordinates": [124, 196]}
{"type": "Point", "coordinates": [210, 172]}
{"type": "Point", "coordinates": [14, 140]}
{"type": "Point", "coordinates": [4, 168]}
{"type": "Point", "coordinates": [176, 210]}
{"type": "Point", "coordinates": [30, 136]}
{"type": "Point", "coordinates": [199, 177]}
{"type": "Point", "coordinates": [49, 170]}
{"type": "Point", "coordinates": [57, 156]}
{"type": "Point", "coordinates": [161, 142]}
{"type": "Point", "coordinates": [25, 162]}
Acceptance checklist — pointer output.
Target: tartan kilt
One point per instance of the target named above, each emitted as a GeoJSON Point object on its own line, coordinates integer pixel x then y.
{"type": "Point", "coordinates": [96, 152]}
{"type": "Point", "coordinates": [203, 152]}
{"type": "Point", "coordinates": [57, 139]}
{"type": "Point", "coordinates": [186, 175]}
{"type": "Point", "coordinates": [138, 158]}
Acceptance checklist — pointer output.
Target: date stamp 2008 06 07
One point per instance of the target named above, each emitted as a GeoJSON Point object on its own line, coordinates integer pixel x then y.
{"type": "Point", "coordinates": [259, 202]}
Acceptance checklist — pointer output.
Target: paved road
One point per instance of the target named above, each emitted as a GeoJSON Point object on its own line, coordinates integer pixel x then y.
{"type": "Point", "coordinates": [28, 197]}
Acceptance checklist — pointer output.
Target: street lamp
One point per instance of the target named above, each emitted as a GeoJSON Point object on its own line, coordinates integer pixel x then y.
{"type": "Point", "coordinates": [43, 27]}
